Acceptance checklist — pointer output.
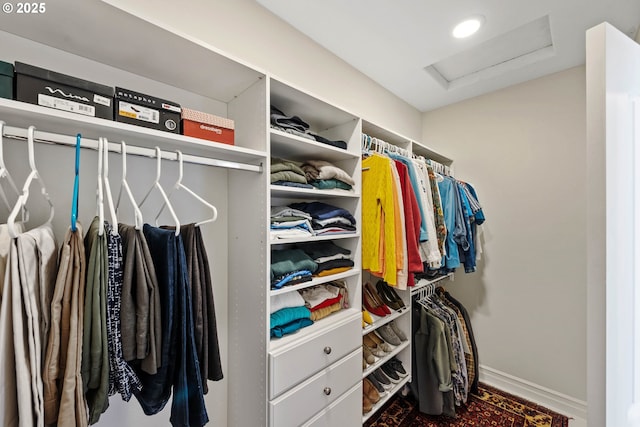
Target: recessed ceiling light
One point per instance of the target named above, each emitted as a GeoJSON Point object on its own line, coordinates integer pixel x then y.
{"type": "Point", "coordinates": [468, 27]}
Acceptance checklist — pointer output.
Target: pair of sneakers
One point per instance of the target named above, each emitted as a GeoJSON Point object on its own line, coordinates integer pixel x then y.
{"type": "Point", "coordinates": [389, 374]}
{"type": "Point", "coordinates": [394, 370]}
{"type": "Point", "coordinates": [391, 333]}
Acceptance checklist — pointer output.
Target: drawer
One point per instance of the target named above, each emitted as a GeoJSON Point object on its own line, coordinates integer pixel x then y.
{"type": "Point", "coordinates": [345, 411]}
{"type": "Point", "coordinates": [292, 365]}
{"type": "Point", "coordinates": [301, 403]}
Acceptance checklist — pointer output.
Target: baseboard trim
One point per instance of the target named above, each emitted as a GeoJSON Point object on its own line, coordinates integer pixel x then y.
{"type": "Point", "coordinates": [548, 398]}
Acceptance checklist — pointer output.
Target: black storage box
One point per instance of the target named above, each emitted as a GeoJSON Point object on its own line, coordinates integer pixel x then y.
{"type": "Point", "coordinates": [148, 111]}
{"type": "Point", "coordinates": [6, 80]}
{"type": "Point", "coordinates": [40, 86]}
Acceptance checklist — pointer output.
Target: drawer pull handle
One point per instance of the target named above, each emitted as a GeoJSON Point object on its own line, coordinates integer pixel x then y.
{"type": "Point", "coordinates": [327, 350]}
{"type": "Point", "coordinates": [327, 391]}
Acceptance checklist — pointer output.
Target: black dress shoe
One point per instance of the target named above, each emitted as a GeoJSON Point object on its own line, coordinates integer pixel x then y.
{"type": "Point", "coordinates": [389, 297]}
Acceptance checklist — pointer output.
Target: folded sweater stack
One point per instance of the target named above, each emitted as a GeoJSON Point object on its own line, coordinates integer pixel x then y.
{"type": "Point", "coordinates": [330, 258]}
{"type": "Point", "coordinates": [292, 311]}
{"type": "Point", "coordinates": [326, 218]}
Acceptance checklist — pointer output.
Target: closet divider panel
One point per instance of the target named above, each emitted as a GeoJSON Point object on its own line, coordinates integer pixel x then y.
{"type": "Point", "coordinates": [248, 296]}
{"type": "Point", "coordinates": [248, 198]}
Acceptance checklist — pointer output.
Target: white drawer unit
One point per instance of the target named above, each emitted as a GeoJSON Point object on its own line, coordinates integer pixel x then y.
{"type": "Point", "coordinates": [291, 365]}
{"type": "Point", "coordinates": [345, 411]}
{"type": "Point", "coordinates": [301, 403]}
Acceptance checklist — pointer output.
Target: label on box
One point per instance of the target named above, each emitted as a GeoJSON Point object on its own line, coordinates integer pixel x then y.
{"type": "Point", "coordinates": [171, 107]}
{"type": "Point", "coordinates": [66, 105]}
{"type": "Point", "coordinates": [133, 111]}
{"type": "Point", "coordinates": [103, 100]}
{"type": "Point", "coordinates": [211, 129]}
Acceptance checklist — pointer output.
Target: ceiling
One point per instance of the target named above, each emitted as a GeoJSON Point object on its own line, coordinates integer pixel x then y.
{"type": "Point", "coordinates": [406, 45]}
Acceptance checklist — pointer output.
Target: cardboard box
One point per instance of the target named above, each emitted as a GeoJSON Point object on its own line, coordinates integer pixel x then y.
{"type": "Point", "coordinates": [145, 110]}
{"type": "Point", "coordinates": [6, 80]}
{"type": "Point", "coordinates": [47, 88]}
{"type": "Point", "coordinates": [207, 126]}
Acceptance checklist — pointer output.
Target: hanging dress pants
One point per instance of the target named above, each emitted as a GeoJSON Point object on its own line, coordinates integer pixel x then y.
{"type": "Point", "coordinates": [141, 310]}
{"type": "Point", "coordinates": [28, 286]}
{"type": "Point", "coordinates": [8, 388]}
{"type": "Point", "coordinates": [95, 353]}
{"type": "Point", "coordinates": [204, 315]}
{"type": "Point", "coordinates": [179, 367]}
{"type": "Point", "coordinates": [64, 403]}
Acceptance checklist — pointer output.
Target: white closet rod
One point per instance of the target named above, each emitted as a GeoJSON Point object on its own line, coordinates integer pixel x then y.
{"type": "Point", "coordinates": [58, 139]}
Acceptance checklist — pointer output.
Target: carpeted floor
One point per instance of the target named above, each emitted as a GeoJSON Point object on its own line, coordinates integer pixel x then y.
{"type": "Point", "coordinates": [491, 408]}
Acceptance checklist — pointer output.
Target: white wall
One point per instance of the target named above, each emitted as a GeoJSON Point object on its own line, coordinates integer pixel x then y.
{"type": "Point", "coordinates": [247, 31]}
{"type": "Point", "coordinates": [524, 149]}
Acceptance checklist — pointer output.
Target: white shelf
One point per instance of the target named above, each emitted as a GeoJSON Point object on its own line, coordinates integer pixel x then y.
{"type": "Point", "coordinates": [384, 399]}
{"type": "Point", "coordinates": [21, 114]}
{"type": "Point", "coordinates": [426, 283]}
{"type": "Point", "coordinates": [375, 131]}
{"type": "Point", "coordinates": [381, 360]}
{"type": "Point", "coordinates": [319, 114]}
{"type": "Point", "coordinates": [185, 62]}
{"type": "Point", "coordinates": [345, 315]}
{"type": "Point", "coordinates": [315, 238]}
{"type": "Point", "coordinates": [293, 147]}
{"type": "Point", "coordinates": [315, 281]}
{"type": "Point", "coordinates": [310, 193]}
{"type": "Point", "coordinates": [381, 321]}
{"type": "Point", "coordinates": [429, 153]}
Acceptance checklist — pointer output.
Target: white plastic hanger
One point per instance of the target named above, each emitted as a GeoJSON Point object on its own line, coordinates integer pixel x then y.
{"type": "Point", "coordinates": [138, 220]}
{"type": "Point", "coordinates": [4, 173]}
{"type": "Point", "coordinates": [24, 197]}
{"type": "Point", "coordinates": [107, 187]}
{"type": "Point", "coordinates": [158, 187]}
{"type": "Point", "coordinates": [100, 194]}
{"type": "Point", "coordinates": [179, 185]}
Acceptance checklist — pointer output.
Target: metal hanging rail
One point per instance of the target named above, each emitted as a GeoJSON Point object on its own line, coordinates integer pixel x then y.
{"type": "Point", "coordinates": [68, 140]}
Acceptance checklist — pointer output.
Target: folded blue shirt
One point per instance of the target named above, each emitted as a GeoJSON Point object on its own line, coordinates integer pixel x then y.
{"type": "Point", "coordinates": [288, 315]}
{"type": "Point", "coordinates": [290, 327]}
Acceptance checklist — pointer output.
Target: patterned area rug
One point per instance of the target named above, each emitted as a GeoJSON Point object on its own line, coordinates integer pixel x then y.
{"type": "Point", "coordinates": [491, 408]}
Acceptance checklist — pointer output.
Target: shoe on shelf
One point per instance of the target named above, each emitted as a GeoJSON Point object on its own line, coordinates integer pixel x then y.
{"type": "Point", "coordinates": [387, 334]}
{"type": "Point", "coordinates": [370, 290]}
{"type": "Point", "coordinates": [366, 404]}
{"type": "Point", "coordinates": [366, 316]}
{"type": "Point", "coordinates": [397, 331]}
{"type": "Point", "coordinates": [397, 365]}
{"type": "Point", "coordinates": [390, 373]}
{"type": "Point", "coordinates": [373, 346]}
{"type": "Point", "coordinates": [370, 391]}
{"type": "Point", "coordinates": [371, 304]}
{"type": "Point", "coordinates": [391, 291]}
{"type": "Point", "coordinates": [390, 299]}
{"type": "Point", "coordinates": [368, 355]}
{"type": "Point", "coordinates": [381, 390]}
{"type": "Point", "coordinates": [383, 345]}
{"type": "Point", "coordinates": [382, 379]}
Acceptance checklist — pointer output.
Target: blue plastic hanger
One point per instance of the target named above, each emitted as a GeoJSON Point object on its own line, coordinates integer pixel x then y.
{"type": "Point", "coordinates": [76, 181]}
